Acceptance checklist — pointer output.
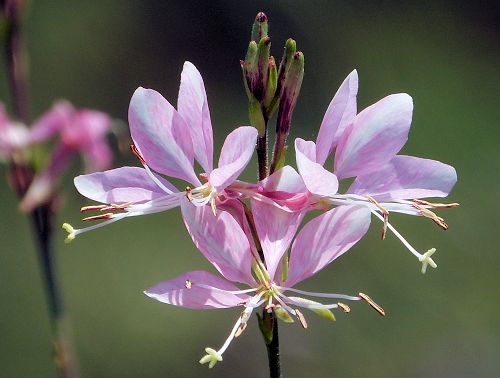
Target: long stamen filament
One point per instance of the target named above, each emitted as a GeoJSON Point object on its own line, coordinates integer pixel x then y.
{"type": "Point", "coordinates": [320, 295]}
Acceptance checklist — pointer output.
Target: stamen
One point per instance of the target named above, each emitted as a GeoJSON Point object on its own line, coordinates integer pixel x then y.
{"type": "Point", "coordinates": [116, 207]}
{"type": "Point", "coordinates": [92, 208]}
{"type": "Point", "coordinates": [321, 295]}
{"type": "Point", "coordinates": [344, 307]}
{"type": "Point", "coordinates": [137, 154]}
{"type": "Point", "coordinates": [188, 284]}
{"type": "Point", "coordinates": [436, 205]}
{"type": "Point", "coordinates": [433, 216]}
{"type": "Point", "coordinates": [372, 303]}
{"type": "Point", "coordinates": [99, 217]}
{"type": "Point", "coordinates": [301, 319]}
{"type": "Point", "coordinates": [385, 214]}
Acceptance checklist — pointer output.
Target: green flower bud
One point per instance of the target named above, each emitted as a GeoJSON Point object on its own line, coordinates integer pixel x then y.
{"type": "Point", "coordinates": [260, 27]}
{"type": "Point", "coordinates": [272, 83]}
{"type": "Point", "coordinates": [256, 116]}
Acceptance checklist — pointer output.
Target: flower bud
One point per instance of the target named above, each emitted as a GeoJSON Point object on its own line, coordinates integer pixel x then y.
{"type": "Point", "coordinates": [256, 116]}
{"type": "Point", "coordinates": [288, 100]}
{"type": "Point", "coordinates": [272, 83]}
{"type": "Point", "coordinates": [260, 27]}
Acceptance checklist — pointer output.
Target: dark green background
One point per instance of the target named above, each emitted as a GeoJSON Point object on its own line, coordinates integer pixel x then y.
{"type": "Point", "coordinates": [446, 323]}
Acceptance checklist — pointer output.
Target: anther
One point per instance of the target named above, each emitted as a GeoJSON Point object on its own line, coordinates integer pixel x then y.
{"type": "Point", "coordinates": [99, 217]}
{"type": "Point", "coordinates": [436, 205]}
{"type": "Point", "coordinates": [372, 303]}
{"type": "Point", "coordinates": [92, 208]}
{"type": "Point", "coordinates": [137, 154]}
{"type": "Point", "coordinates": [433, 216]}
{"type": "Point", "coordinates": [115, 207]}
{"type": "Point", "coordinates": [301, 319]}
{"type": "Point", "coordinates": [385, 214]}
{"type": "Point", "coordinates": [344, 307]}
{"type": "Point", "coordinates": [188, 284]}
{"type": "Point", "coordinates": [240, 330]}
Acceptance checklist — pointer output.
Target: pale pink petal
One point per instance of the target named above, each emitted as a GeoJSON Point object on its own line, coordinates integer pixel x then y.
{"type": "Point", "coordinates": [340, 113]}
{"type": "Point", "coordinates": [85, 128]}
{"type": "Point", "coordinates": [318, 180]}
{"type": "Point", "coordinates": [325, 238]}
{"type": "Point", "coordinates": [375, 136]}
{"type": "Point", "coordinates": [407, 177]}
{"type": "Point", "coordinates": [285, 179]}
{"type": "Point", "coordinates": [161, 135]}
{"type": "Point", "coordinates": [215, 293]}
{"type": "Point", "coordinates": [52, 122]}
{"type": "Point", "coordinates": [98, 156]}
{"type": "Point", "coordinates": [235, 154]}
{"type": "Point", "coordinates": [221, 240]}
{"type": "Point", "coordinates": [276, 229]}
{"type": "Point", "coordinates": [121, 185]}
{"type": "Point", "coordinates": [192, 105]}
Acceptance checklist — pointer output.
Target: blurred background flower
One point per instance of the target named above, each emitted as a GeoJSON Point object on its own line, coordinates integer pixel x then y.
{"type": "Point", "coordinates": [444, 54]}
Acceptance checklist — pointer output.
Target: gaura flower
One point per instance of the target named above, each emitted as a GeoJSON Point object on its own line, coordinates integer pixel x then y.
{"type": "Point", "coordinates": [81, 132]}
{"type": "Point", "coordinates": [225, 244]}
{"type": "Point", "coordinates": [167, 141]}
{"type": "Point", "coordinates": [366, 145]}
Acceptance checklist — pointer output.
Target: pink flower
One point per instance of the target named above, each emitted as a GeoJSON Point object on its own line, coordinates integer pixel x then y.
{"type": "Point", "coordinates": [80, 132]}
{"type": "Point", "coordinates": [226, 245]}
{"type": "Point", "coordinates": [366, 145]}
{"type": "Point", "coordinates": [167, 141]}
{"type": "Point", "coordinates": [13, 135]}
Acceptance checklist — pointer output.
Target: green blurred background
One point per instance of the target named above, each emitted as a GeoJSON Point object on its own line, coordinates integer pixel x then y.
{"type": "Point", "coordinates": [446, 323]}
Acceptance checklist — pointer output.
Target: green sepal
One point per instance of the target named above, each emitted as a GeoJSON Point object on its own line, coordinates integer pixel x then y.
{"type": "Point", "coordinates": [281, 159]}
{"type": "Point", "coordinates": [266, 327]}
{"type": "Point", "coordinates": [272, 84]}
{"type": "Point", "coordinates": [262, 66]}
{"type": "Point", "coordinates": [284, 266]}
{"type": "Point", "coordinates": [283, 314]}
{"type": "Point", "coordinates": [256, 116]}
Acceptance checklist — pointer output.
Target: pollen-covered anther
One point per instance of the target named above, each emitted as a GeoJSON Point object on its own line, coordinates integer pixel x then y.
{"type": "Point", "coordinates": [116, 207]}
{"type": "Point", "coordinates": [240, 330]}
{"type": "Point", "coordinates": [188, 284]}
{"type": "Point", "coordinates": [92, 208]}
{"type": "Point", "coordinates": [372, 303]}
{"type": "Point", "coordinates": [345, 308]}
{"type": "Point", "coordinates": [431, 215]}
{"type": "Point", "coordinates": [188, 193]}
{"type": "Point", "coordinates": [385, 214]}
{"type": "Point", "coordinates": [137, 154]}
{"type": "Point", "coordinates": [436, 205]}
{"type": "Point", "coordinates": [203, 177]}
{"type": "Point", "coordinates": [301, 318]}
{"type": "Point", "coordinates": [99, 217]}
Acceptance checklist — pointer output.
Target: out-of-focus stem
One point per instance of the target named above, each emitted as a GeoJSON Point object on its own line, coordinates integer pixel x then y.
{"type": "Point", "coordinates": [21, 176]}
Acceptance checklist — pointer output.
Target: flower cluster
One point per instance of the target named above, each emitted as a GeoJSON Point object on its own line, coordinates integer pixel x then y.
{"type": "Point", "coordinates": [76, 131]}
{"type": "Point", "coordinates": [250, 231]}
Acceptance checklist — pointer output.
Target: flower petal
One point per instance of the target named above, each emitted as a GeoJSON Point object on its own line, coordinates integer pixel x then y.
{"type": "Point", "coordinates": [276, 229]}
{"type": "Point", "coordinates": [192, 105]}
{"type": "Point", "coordinates": [121, 185]}
{"type": "Point", "coordinates": [235, 154]}
{"type": "Point", "coordinates": [221, 240]}
{"type": "Point", "coordinates": [161, 135]}
{"type": "Point", "coordinates": [324, 239]}
{"type": "Point", "coordinates": [374, 137]}
{"type": "Point", "coordinates": [340, 113]}
{"type": "Point", "coordinates": [217, 295]}
{"type": "Point", "coordinates": [51, 122]}
{"type": "Point", "coordinates": [317, 179]}
{"type": "Point", "coordinates": [407, 177]}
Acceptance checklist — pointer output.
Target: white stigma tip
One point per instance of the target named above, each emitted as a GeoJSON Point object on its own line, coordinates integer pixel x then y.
{"type": "Point", "coordinates": [426, 259]}
{"type": "Point", "coordinates": [71, 232]}
{"type": "Point", "coordinates": [212, 357]}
